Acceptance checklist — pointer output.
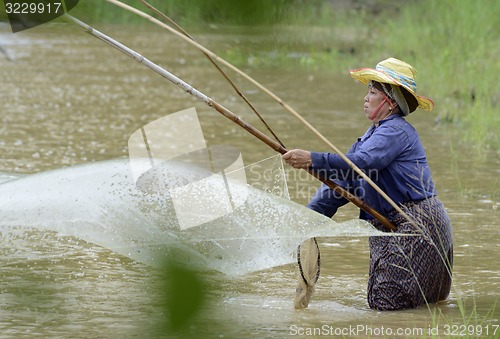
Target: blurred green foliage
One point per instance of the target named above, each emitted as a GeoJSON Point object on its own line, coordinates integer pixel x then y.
{"type": "Point", "coordinates": [185, 296]}
{"type": "Point", "coordinates": [198, 12]}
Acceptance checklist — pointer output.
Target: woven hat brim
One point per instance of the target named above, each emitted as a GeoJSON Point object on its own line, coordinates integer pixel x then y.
{"type": "Point", "coordinates": [364, 75]}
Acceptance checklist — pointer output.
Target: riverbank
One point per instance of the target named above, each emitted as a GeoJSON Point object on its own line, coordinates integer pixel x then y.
{"type": "Point", "coordinates": [452, 43]}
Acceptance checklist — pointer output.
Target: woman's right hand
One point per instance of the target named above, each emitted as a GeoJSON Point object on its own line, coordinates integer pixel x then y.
{"type": "Point", "coordinates": [298, 158]}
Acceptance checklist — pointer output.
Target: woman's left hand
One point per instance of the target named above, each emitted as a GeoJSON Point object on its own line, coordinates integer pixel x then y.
{"type": "Point", "coordinates": [298, 158]}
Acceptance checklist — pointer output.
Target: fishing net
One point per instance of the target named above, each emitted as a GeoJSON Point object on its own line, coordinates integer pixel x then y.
{"type": "Point", "coordinates": [202, 207]}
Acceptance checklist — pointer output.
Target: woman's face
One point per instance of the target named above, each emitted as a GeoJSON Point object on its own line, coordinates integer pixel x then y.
{"type": "Point", "coordinates": [373, 101]}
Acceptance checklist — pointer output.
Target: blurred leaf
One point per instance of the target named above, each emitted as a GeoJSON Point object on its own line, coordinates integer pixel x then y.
{"type": "Point", "coordinates": [186, 294]}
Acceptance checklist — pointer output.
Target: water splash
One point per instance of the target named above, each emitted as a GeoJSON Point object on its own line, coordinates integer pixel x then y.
{"type": "Point", "coordinates": [100, 203]}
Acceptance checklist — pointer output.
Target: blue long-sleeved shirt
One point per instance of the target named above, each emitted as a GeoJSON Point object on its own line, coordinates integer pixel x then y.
{"type": "Point", "coordinates": [391, 155]}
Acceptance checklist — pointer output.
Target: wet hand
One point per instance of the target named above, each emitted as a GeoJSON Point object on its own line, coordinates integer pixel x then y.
{"type": "Point", "coordinates": [298, 158]}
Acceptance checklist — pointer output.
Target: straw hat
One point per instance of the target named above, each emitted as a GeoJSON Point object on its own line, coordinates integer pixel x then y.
{"type": "Point", "coordinates": [395, 72]}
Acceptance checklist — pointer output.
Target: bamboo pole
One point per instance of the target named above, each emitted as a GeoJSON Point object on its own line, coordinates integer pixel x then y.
{"type": "Point", "coordinates": [235, 88]}
{"type": "Point", "coordinates": [216, 58]}
{"type": "Point", "coordinates": [227, 113]}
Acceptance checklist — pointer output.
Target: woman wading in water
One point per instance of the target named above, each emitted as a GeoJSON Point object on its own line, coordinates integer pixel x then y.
{"type": "Point", "coordinates": [405, 271]}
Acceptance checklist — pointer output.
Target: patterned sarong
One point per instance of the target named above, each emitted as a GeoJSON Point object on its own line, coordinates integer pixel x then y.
{"type": "Point", "coordinates": [408, 271]}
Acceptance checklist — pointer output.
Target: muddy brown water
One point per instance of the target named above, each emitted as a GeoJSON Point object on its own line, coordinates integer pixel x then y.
{"type": "Point", "coordinates": [68, 99]}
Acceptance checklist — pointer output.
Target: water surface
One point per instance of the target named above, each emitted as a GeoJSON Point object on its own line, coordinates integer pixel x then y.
{"type": "Point", "coordinates": [67, 99]}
